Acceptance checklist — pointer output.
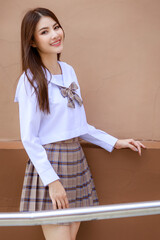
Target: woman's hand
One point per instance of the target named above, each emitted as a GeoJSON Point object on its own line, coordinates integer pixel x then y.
{"type": "Point", "coordinates": [129, 143]}
{"type": "Point", "coordinates": [58, 195]}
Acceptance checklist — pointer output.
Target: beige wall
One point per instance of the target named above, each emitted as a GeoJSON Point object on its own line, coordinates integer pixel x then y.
{"type": "Point", "coordinates": [114, 47]}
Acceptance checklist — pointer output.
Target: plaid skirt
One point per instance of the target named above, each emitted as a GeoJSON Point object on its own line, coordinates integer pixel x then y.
{"type": "Point", "coordinates": [68, 160]}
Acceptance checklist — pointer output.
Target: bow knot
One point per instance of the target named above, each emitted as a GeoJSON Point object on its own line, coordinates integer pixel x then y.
{"type": "Point", "coordinates": [71, 95]}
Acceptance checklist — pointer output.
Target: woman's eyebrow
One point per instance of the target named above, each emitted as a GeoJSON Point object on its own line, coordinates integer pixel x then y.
{"type": "Point", "coordinates": [46, 27]}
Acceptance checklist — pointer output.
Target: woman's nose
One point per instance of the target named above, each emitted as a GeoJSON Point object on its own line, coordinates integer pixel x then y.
{"type": "Point", "coordinates": [54, 34]}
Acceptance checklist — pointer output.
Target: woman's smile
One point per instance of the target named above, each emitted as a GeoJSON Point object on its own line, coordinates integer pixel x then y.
{"type": "Point", "coordinates": [56, 44]}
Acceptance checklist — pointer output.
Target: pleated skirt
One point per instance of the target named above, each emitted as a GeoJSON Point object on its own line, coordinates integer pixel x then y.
{"type": "Point", "coordinates": [68, 160]}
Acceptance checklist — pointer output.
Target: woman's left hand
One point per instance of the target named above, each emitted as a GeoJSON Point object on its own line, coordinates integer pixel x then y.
{"type": "Point", "coordinates": [129, 143]}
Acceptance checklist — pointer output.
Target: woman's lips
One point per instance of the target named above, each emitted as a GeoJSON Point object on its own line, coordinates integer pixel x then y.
{"type": "Point", "coordinates": [57, 43]}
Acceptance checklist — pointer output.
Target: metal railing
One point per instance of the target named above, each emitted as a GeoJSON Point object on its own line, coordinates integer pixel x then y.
{"type": "Point", "coordinates": [80, 214]}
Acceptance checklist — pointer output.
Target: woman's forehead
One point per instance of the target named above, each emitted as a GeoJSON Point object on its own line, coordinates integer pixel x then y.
{"type": "Point", "coordinates": [45, 22]}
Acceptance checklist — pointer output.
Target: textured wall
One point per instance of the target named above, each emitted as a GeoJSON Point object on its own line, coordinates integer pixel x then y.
{"type": "Point", "coordinates": [113, 46]}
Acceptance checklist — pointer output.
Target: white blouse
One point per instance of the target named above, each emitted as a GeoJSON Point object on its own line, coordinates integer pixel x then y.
{"type": "Point", "coordinates": [38, 128]}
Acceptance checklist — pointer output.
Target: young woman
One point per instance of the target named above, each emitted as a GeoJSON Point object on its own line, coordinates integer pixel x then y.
{"type": "Point", "coordinates": [52, 117]}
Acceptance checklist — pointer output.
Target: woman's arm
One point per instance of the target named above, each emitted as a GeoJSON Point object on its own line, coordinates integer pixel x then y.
{"type": "Point", "coordinates": [99, 138]}
{"type": "Point", "coordinates": [108, 142]}
{"type": "Point", "coordinates": [30, 119]}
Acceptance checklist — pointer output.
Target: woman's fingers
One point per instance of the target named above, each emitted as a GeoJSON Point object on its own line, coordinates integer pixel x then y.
{"type": "Point", "coordinates": [60, 203]}
{"type": "Point", "coordinates": [63, 203]}
{"type": "Point", "coordinates": [54, 204]}
{"type": "Point", "coordinates": [58, 195]}
{"type": "Point", "coordinates": [130, 143]}
{"type": "Point", "coordinates": [132, 147]}
{"type": "Point", "coordinates": [66, 202]}
{"type": "Point", "coordinates": [137, 145]}
{"type": "Point", "coordinates": [141, 145]}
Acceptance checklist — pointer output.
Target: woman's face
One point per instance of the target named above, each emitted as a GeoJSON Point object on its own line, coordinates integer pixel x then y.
{"type": "Point", "coordinates": [48, 37]}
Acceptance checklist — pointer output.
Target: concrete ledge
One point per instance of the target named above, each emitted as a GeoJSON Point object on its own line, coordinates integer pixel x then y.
{"type": "Point", "coordinates": [17, 144]}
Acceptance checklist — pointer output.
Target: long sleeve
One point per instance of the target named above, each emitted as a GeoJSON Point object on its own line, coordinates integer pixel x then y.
{"type": "Point", "coordinates": [100, 138]}
{"type": "Point", "coordinates": [30, 119]}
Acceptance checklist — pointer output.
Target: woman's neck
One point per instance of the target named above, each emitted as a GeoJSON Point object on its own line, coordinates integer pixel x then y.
{"type": "Point", "coordinates": [51, 63]}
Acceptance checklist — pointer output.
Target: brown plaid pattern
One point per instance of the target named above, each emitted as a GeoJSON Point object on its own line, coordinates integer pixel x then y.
{"type": "Point", "coordinates": [68, 160]}
{"type": "Point", "coordinates": [71, 95]}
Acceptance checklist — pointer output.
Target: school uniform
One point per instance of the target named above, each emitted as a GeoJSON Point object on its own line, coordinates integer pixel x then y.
{"type": "Point", "coordinates": [52, 142]}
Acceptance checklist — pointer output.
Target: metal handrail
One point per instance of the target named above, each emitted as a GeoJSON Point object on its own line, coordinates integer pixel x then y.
{"type": "Point", "coordinates": [80, 214]}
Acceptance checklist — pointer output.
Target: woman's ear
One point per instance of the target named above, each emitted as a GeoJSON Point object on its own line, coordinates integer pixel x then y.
{"type": "Point", "coordinates": [33, 44]}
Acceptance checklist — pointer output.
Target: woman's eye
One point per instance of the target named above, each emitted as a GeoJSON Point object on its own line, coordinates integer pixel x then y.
{"type": "Point", "coordinates": [44, 32]}
{"type": "Point", "coordinates": [57, 27]}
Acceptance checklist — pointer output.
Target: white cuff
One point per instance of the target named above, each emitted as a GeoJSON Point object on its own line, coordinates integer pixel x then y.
{"type": "Point", "coordinates": [49, 176]}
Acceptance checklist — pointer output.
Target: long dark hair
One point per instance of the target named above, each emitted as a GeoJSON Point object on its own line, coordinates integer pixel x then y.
{"type": "Point", "coordinates": [31, 59]}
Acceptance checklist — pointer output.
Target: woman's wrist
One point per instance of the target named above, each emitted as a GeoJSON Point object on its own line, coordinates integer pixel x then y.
{"type": "Point", "coordinates": [116, 144]}
{"type": "Point", "coordinates": [53, 183]}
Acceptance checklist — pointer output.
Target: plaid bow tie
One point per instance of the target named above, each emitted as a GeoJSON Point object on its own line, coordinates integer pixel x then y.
{"type": "Point", "coordinates": [71, 95]}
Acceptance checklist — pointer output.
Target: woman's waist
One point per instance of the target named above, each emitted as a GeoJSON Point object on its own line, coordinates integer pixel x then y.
{"type": "Point", "coordinates": [72, 140]}
{"type": "Point", "coordinates": [66, 141]}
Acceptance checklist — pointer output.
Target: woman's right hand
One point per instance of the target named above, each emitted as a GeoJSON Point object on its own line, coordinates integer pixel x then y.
{"type": "Point", "coordinates": [58, 195]}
